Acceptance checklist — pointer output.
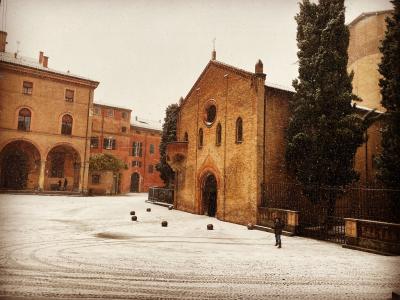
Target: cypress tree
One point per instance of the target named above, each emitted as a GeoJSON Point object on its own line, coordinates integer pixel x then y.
{"type": "Point", "coordinates": [389, 160]}
{"type": "Point", "coordinates": [168, 135]}
{"type": "Point", "coordinates": [324, 132]}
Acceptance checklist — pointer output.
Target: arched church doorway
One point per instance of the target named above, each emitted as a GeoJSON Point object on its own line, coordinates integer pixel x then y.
{"type": "Point", "coordinates": [209, 195]}
{"type": "Point", "coordinates": [20, 166]}
{"type": "Point", "coordinates": [135, 179]}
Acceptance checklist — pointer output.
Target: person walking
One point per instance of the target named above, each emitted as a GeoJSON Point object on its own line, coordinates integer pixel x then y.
{"type": "Point", "coordinates": [65, 183]}
{"type": "Point", "coordinates": [59, 185]}
{"type": "Point", "coordinates": [278, 227]}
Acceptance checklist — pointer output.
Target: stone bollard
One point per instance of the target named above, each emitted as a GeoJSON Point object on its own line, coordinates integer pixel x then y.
{"type": "Point", "coordinates": [250, 226]}
{"type": "Point", "coordinates": [134, 218]}
{"type": "Point", "coordinates": [132, 213]}
{"type": "Point", "coordinates": [170, 207]}
{"type": "Point", "coordinates": [210, 227]}
{"type": "Point", "coordinates": [148, 209]}
{"type": "Point", "coordinates": [164, 223]}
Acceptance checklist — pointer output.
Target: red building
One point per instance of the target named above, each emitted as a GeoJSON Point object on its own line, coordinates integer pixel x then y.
{"type": "Point", "coordinates": [137, 145]}
{"type": "Point", "coordinates": [145, 141]}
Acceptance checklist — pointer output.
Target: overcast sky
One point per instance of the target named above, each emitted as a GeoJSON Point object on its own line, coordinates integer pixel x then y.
{"type": "Point", "coordinates": [147, 54]}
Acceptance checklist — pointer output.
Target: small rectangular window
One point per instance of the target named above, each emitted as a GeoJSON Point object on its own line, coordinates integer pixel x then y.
{"type": "Point", "coordinates": [137, 149]}
{"type": "Point", "coordinates": [110, 113]}
{"type": "Point", "coordinates": [109, 143]}
{"type": "Point", "coordinates": [96, 111]}
{"type": "Point", "coordinates": [137, 131]}
{"type": "Point", "coordinates": [27, 87]}
{"type": "Point", "coordinates": [95, 179]}
{"type": "Point", "coordinates": [150, 168]}
{"type": "Point", "coordinates": [123, 129]}
{"type": "Point", "coordinates": [69, 95]}
{"type": "Point", "coordinates": [136, 163]}
{"type": "Point", "coordinates": [124, 115]}
{"type": "Point", "coordinates": [151, 149]}
{"type": "Point", "coordinates": [94, 142]}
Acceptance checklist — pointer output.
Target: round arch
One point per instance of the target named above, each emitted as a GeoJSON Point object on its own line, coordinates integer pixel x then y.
{"type": "Point", "coordinates": [36, 145]}
{"type": "Point", "coordinates": [19, 165]}
{"type": "Point", "coordinates": [63, 166]}
{"type": "Point", "coordinates": [209, 195]}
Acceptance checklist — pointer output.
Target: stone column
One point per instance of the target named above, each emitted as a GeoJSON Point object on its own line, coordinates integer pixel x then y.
{"type": "Point", "coordinates": [85, 178]}
{"type": "Point", "coordinates": [81, 178]}
{"type": "Point", "coordinates": [42, 174]}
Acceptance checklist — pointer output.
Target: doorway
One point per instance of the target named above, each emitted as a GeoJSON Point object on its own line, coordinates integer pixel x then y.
{"type": "Point", "coordinates": [135, 179]}
{"type": "Point", "coordinates": [210, 196]}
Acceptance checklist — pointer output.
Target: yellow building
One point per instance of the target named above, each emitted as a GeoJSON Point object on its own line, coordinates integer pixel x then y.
{"type": "Point", "coordinates": [45, 124]}
{"type": "Point", "coordinates": [366, 33]}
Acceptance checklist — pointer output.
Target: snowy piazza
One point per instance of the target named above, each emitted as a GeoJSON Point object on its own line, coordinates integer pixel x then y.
{"type": "Point", "coordinates": [187, 149]}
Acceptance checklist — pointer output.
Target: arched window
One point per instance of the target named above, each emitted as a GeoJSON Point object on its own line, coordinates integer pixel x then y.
{"type": "Point", "coordinates": [24, 119]}
{"type": "Point", "coordinates": [239, 130]}
{"type": "Point", "coordinates": [218, 135]}
{"type": "Point", "coordinates": [66, 127]}
{"type": "Point", "coordinates": [200, 137]}
{"type": "Point", "coordinates": [186, 138]}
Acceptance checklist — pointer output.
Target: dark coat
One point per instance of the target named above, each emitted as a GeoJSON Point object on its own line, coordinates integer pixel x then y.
{"type": "Point", "coordinates": [278, 226]}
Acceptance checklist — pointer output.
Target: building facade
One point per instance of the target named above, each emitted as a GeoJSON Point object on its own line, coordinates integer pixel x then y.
{"type": "Point", "coordinates": [49, 128]}
{"type": "Point", "coordinates": [136, 144]}
{"type": "Point", "coordinates": [366, 34]}
{"type": "Point", "coordinates": [45, 123]}
{"type": "Point", "coordinates": [145, 155]}
{"type": "Point", "coordinates": [231, 143]}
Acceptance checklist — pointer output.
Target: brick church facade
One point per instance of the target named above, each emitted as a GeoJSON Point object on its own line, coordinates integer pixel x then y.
{"type": "Point", "coordinates": [231, 142]}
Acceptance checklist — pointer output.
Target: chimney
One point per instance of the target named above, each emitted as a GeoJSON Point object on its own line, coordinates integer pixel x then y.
{"type": "Point", "coordinates": [41, 57]}
{"type": "Point", "coordinates": [45, 61]}
{"type": "Point", "coordinates": [259, 67]}
{"type": "Point", "coordinates": [213, 55]}
{"type": "Point", "coordinates": [3, 41]}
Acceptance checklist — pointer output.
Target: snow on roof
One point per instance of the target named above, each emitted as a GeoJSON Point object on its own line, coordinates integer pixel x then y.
{"type": "Point", "coordinates": [367, 108]}
{"type": "Point", "coordinates": [147, 124]}
{"type": "Point", "coordinates": [105, 104]}
{"type": "Point", "coordinates": [279, 86]}
{"type": "Point", "coordinates": [33, 63]}
{"type": "Point", "coordinates": [367, 14]}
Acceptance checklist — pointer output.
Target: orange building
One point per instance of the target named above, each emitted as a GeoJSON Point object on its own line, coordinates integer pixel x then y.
{"type": "Point", "coordinates": [145, 141]}
{"type": "Point", "coordinates": [45, 125]}
{"type": "Point", "coordinates": [135, 144]}
{"type": "Point", "coordinates": [110, 134]}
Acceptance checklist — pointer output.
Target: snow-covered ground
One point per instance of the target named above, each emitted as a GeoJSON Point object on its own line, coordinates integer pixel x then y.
{"type": "Point", "coordinates": [78, 247]}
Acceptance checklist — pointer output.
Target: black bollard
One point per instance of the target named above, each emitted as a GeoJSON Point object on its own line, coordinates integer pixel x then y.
{"type": "Point", "coordinates": [132, 213]}
{"type": "Point", "coordinates": [164, 223]}
{"type": "Point", "coordinates": [170, 207]}
{"type": "Point", "coordinates": [250, 226]}
{"type": "Point", "coordinates": [134, 218]}
{"type": "Point", "coordinates": [210, 227]}
{"type": "Point", "coordinates": [148, 209]}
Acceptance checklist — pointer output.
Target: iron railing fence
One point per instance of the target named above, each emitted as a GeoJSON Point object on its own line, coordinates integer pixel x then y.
{"type": "Point", "coordinates": [159, 194]}
{"type": "Point", "coordinates": [318, 220]}
{"type": "Point", "coordinates": [354, 202]}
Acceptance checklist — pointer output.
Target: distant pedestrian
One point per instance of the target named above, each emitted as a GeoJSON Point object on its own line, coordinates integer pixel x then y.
{"type": "Point", "coordinates": [278, 227]}
{"type": "Point", "coordinates": [59, 185]}
{"type": "Point", "coordinates": [65, 183]}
